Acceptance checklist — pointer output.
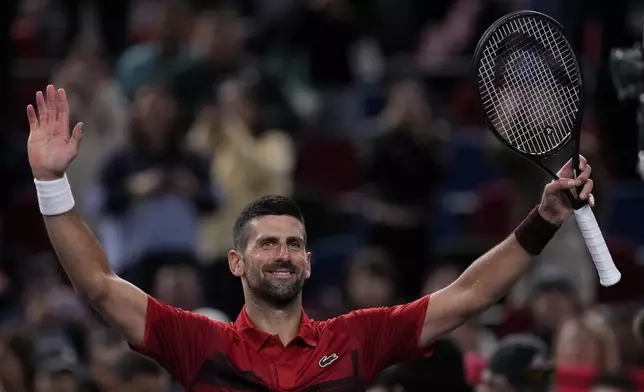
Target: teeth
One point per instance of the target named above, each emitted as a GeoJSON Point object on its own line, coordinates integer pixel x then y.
{"type": "Point", "coordinates": [284, 273]}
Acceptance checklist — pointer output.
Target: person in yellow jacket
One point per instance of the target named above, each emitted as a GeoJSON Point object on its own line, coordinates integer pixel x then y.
{"type": "Point", "coordinates": [248, 160]}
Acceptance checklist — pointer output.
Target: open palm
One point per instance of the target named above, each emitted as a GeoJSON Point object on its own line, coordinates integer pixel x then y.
{"type": "Point", "coordinates": [51, 146]}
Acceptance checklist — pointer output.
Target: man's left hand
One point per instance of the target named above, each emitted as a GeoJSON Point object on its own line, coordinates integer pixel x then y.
{"type": "Point", "coordinates": [555, 206]}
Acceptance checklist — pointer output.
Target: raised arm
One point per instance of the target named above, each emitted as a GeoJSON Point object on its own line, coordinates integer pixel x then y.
{"type": "Point", "coordinates": [492, 275]}
{"type": "Point", "coordinates": [51, 149]}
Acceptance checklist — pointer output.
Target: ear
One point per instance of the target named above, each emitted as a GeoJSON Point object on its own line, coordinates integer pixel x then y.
{"type": "Point", "coordinates": [307, 269]}
{"type": "Point", "coordinates": [236, 263]}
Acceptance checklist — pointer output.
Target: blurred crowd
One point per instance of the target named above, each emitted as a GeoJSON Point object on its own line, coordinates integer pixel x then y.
{"type": "Point", "coordinates": [365, 113]}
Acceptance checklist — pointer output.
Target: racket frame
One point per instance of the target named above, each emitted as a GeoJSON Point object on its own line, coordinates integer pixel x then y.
{"type": "Point", "coordinates": [575, 135]}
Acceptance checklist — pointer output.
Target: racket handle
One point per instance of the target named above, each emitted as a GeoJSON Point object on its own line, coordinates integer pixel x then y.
{"type": "Point", "coordinates": [608, 272]}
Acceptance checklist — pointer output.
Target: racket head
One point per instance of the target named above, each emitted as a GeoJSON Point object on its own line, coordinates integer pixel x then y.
{"type": "Point", "coordinates": [530, 85]}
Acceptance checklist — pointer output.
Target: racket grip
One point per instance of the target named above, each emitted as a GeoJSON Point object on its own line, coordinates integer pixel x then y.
{"type": "Point", "coordinates": [608, 272]}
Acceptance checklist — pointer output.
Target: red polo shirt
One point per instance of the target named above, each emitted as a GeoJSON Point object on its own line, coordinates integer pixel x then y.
{"type": "Point", "coordinates": [340, 354]}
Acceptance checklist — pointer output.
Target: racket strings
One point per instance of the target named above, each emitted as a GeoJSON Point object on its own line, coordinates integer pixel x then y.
{"type": "Point", "coordinates": [531, 73]}
{"type": "Point", "coordinates": [537, 103]}
{"type": "Point", "coordinates": [524, 79]}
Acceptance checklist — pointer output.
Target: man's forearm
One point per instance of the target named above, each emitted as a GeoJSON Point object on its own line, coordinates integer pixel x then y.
{"type": "Point", "coordinates": [482, 284]}
{"type": "Point", "coordinates": [493, 274]}
{"type": "Point", "coordinates": [80, 254]}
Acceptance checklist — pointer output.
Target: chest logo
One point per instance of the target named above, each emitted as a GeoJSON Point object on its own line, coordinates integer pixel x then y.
{"type": "Point", "coordinates": [326, 361]}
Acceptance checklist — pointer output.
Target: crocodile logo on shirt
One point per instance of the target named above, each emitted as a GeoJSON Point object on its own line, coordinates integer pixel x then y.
{"type": "Point", "coordinates": [326, 361]}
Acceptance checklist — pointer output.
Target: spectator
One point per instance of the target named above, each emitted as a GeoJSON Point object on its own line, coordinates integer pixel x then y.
{"type": "Point", "coordinates": [218, 47]}
{"type": "Point", "coordinates": [520, 364]}
{"type": "Point", "coordinates": [554, 298]}
{"type": "Point", "coordinates": [137, 373]}
{"type": "Point", "coordinates": [621, 319]}
{"type": "Point", "coordinates": [586, 341]}
{"type": "Point", "coordinates": [638, 328]}
{"type": "Point", "coordinates": [249, 159]}
{"type": "Point", "coordinates": [179, 286]}
{"type": "Point", "coordinates": [97, 100]}
{"type": "Point", "coordinates": [371, 280]}
{"type": "Point", "coordinates": [164, 56]}
{"type": "Point", "coordinates": [106, 346]}
{"type": "Point", "coordinates": [326, 32]}
{"type": "Point", "coordinates": [220, 50]}
{"type": "Point", "coordinates": [13, 374]}
{"type": "Point", "coordinates": [57, 368]}
{"type": "Point", "coordinates": [399, 206]}
{"type": "Point", "coordinates": [444, 370]}
{"type": "Point", "coordinates": [154, 189]}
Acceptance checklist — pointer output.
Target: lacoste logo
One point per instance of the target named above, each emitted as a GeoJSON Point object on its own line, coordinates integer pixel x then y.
{"type": "Point", "coordinates": [326, 361]}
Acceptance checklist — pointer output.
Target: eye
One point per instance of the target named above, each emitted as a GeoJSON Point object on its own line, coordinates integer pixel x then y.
{"type": "Point", "coordinates": [294, 245]}
{"type": "Point", "coordinates": [267, 243]}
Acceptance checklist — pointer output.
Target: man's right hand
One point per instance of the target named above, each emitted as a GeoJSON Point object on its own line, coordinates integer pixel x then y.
{"type": "Point", "coordinates": [51, 147]}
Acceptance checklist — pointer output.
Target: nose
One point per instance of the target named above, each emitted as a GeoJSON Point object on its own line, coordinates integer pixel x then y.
{"type": "Point", "coordinates": [282, 254]}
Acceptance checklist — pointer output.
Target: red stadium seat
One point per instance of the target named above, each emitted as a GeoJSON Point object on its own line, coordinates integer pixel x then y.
{"type": "Point", "coordinates": [567, 378]}
{"type": "Point", "coordinates": [580, 379]}
{"type": "Point", "coordinates": [574, 379]}
{"type": "Point", "coordinates": [474, 366]}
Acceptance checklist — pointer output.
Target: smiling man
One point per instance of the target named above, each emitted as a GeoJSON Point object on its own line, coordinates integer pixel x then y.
{"type": "Point", "coordinates": [273, 345]}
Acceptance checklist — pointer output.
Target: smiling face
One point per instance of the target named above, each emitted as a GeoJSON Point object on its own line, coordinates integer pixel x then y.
{"type": "Point", "coordinates": [274, 263]}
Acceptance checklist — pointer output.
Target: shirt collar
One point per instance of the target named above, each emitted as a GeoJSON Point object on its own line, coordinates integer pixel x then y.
{"type": "Point", "coordinates": [307, 332]}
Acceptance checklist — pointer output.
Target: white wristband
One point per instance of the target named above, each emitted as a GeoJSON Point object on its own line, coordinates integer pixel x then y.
{"type": "Point", "coordinates": [54, 197]}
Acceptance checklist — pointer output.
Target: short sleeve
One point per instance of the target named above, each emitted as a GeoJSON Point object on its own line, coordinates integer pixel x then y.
{"type": "Point", "coordinates": [390, 334]}
{"type": "Point", "coordinates": [179, 340]}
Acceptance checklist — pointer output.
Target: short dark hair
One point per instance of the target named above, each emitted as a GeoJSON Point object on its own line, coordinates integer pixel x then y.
{"type": "Point", "coordinates": [132, 364]}
{"type": "Point", "coordinates": [265, 205]}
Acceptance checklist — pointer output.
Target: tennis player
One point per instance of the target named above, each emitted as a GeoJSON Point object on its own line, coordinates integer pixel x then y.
{"type": "Point", "coordinates": [273, 345]}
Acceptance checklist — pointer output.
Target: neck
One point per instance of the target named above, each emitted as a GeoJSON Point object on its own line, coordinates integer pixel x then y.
{"type": "Point", "coordinates": [283, 321]}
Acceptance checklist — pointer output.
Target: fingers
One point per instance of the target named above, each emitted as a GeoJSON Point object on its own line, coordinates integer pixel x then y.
{"type": "Point", "coordinates": [565, 184]}
{"type": "Point", "coordinates": [562, 184]}
{"type": "Point", "coordinates": [585, 173]}
{"type": "Point", "coordinates": [43, 113]}
{"type": "Point", "coordinates": [52, 102]}
{"type": "Point", "coordinates": [31, 116]}
{"type": "Point", "coordinates": [63, 106]}
{"type": "Point", "coordinates": [585, 191]}
{"type": "Point", "coordinates": [52, 106]}
{"type": "Point", "coordinates": [566, 170]}
{"type": "Point", "coordinates": [77, 135]}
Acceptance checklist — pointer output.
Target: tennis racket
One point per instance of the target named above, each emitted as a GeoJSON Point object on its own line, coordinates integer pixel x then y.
{"type": "Point", "coordinates": [530, 89]}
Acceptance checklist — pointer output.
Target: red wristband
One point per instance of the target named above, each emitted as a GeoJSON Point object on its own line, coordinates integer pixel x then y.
{"type": "Point", "coordinates": [534, 233]}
